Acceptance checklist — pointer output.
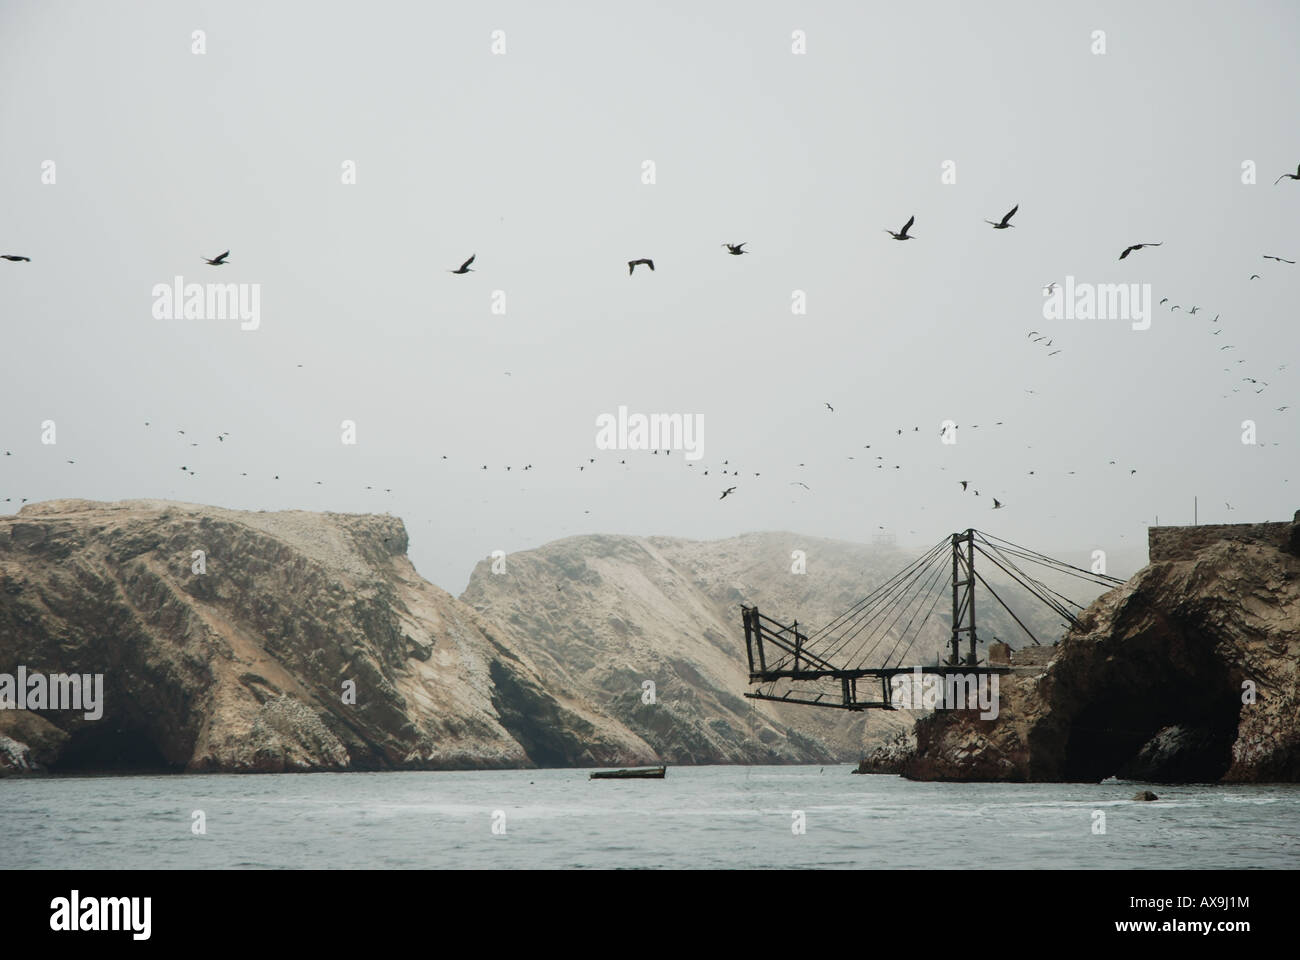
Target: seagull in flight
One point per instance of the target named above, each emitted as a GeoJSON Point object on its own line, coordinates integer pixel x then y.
{"type": "Point", "coordinates": [727, 491]}
{"type": "Point", "coordinates": [902, 234]}
{"type": "Point", "coordinates": [633, 264]}
{"type": "Point", "coordinates": [464, 267]}
{"type": "Point", "coordinates": [735, 248]}
{"type": "Point", "coordinates": [1006, 220]}
{"type": "Point", "coordinates": [829, 407]}
{"type": "Point", "coordinates": [1138, 246]}
{"type": "Point", "coordinates": [997, 504]}
{"type": "Point", "coordinates": [1278, 259]}
{"type": "Point", "coordinates": [15, 258]}
{"type": "Point", "coordinates": [1050, 288]}
{"type": "Point", "coordinates": [1288, 176]}
{"type": "Point", "coordinates": [794, 483]}
{"type": "Point", "coordinates": [218, 261]}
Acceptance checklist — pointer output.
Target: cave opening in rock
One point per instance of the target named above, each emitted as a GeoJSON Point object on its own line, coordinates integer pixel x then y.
{"type": "Point", "coordinates": [104, 748]}
{"type": "Point", "coordinates": [1156, 719]}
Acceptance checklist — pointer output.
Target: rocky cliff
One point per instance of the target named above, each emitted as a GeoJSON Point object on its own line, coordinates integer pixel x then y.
{"type": "Point", "coordinates": [241, 641]}
{"type": "Point", "coordinates": [603, 616]}
{"type": "Point", "coordinates": [1186, 673]}
{"type": "Point", "coordinates": [236, 641]}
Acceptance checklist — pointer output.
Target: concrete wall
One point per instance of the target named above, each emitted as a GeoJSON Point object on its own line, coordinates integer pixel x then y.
{"type": "Point", "coordinates": [1179, 543]}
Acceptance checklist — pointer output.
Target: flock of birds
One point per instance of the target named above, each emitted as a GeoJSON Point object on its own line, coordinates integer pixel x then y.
{"type": "Point", "coordinates": [1036, 337]}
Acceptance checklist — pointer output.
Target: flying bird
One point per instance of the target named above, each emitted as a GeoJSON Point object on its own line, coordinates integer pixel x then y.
{"type": "Point", "coordinates": [1254, 276]}
{"type": "Point", "coordinates": [15, 258]}
{"type": "Point", "coordinates": [963, 483]}
{"type": "Point", "coordinates": [902, 234]}
{"type": "Point", "coordinates": [997, 504]}
{"type": "Point", "coordinates": [793, 483]}
{"type": "Point", "coordinates": [464, 267]}
{"type": "Point", "coordinates": [633, 264]}
{"type": "Point", "coordinates": [727, 491]}
{"type": "Point", "coordinates": [734, 248]}
{"type": "Point", "coordinates": [1004, 223]}
{"type": "Point", "coordinates": [1278, 259]}
{"type": "Point", "coordinates": [1050, 288]}
{"type": "Point", "coordinates": [829, 407]}
{"type": "Point", "coordinates": [1138, 246]}
{"type": "Point", "coordinates": [218, 261]}
{"type": "Point", "coordinates": [1288, 176]}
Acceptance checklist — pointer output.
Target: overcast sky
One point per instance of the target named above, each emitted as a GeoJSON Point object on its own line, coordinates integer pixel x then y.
{"type": "Point", "coordinates": [534, 160]}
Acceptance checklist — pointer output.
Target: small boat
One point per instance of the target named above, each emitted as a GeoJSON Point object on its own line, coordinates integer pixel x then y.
{"type": "Point", "coordinates": [636, 773]}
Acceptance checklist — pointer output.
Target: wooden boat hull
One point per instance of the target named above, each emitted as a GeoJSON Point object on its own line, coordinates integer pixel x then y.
{"type": "Point", "coordinates": [638, 773]}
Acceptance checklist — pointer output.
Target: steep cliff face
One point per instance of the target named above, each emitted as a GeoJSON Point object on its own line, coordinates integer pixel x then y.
{"type": "Point", "coordinates": [602, 615]}
{"type": "Point", "coordinates": [250, 664]}
{"type": "Point", "coordinates": [1186, 673]}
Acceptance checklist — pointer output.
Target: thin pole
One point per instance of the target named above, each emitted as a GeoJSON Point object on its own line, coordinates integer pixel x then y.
{"type": "Point", "coordinates": [955, 657]}
{"type": "Point", "coordinates": [970, 579]}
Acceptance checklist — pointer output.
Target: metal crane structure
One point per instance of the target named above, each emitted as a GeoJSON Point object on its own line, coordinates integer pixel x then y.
{"type": "Point", "coordinates": [873, 639]}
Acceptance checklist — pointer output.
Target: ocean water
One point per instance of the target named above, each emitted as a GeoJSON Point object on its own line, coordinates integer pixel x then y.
{"type": "Point", "coordinates": [697, 817]}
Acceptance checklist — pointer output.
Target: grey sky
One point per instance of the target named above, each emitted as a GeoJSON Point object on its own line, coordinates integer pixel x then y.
{"type": "Point", "coordinates": [533, 160]}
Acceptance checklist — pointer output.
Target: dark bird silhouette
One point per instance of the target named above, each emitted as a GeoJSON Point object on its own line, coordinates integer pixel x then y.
{"type": "Point", "coordinates": [829, 407]}
{"type": "Point", "coordinates": [1005, 222]}
{"type": "Point", "coordinates": [902, 234]}
{"type": "Point", "coordinates": [633, 264]}
{"type": "Point", "coordinates": [15, 258]}
{"type": "Point", "coordinates": [1278, 259]}
{"type": "Point", "coordinates": [1138, 246]}
{"type": "Point", "coordinates": [1254, 276]}
{"type": "Point", "coordinates": [727, 491]}
{"type": "Point", "coordinates": [793, 483]}
{"type": "Point", "coordinates": [734, 248]}
{"type": "Point", "coordinates": [464, 267]}
{"type": "Point", "coordinates": [997, 504]}
{"type": "Point", "coordinates": [963, 484]}
{"type": "Point", "coordinates": [218, 261]}
{"type": "Point", "coordinates": [1288, 176]}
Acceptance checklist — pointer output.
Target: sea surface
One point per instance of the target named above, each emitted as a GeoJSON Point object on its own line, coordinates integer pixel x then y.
{"type": "Point", "coordinates": [697, 817]}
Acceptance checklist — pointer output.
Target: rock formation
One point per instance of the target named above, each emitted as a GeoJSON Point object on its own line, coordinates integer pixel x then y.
{"type": "Point", "coordinates": [230, 641]}
{"type": "Point", "coordinates": [247, 665]}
